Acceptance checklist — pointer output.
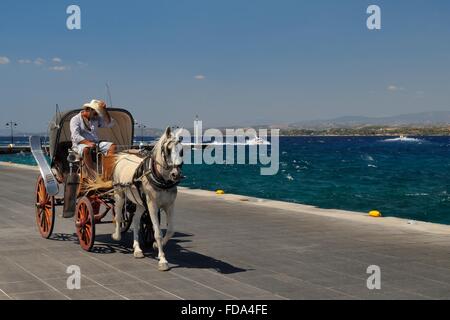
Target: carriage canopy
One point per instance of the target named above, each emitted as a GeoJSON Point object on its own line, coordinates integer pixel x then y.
{"type": "Point", "coordinates": [121, 133]}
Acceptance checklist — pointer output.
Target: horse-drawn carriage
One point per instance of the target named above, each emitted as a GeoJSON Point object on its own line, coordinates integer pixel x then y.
{"type": "Point", "coordinates": [88, 206]}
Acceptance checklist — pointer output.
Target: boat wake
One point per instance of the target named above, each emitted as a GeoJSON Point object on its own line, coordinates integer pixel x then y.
{"type": "Point", "coordinates": [403, 139]}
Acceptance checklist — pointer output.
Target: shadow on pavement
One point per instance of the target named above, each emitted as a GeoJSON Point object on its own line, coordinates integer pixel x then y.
{"type": "Point", "coordinates": [178, 255]}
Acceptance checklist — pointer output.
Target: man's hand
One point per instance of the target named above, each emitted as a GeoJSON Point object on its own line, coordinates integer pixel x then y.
{"type": "Point", "coordinates": [105, 113]}
{"type": "Point", "coordinates": [102, 105]}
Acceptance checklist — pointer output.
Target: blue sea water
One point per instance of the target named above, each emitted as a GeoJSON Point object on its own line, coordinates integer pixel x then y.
{"type": "Point", "coordinates": [408, 179]}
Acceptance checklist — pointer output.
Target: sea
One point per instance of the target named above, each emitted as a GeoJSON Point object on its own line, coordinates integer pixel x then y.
{"type": "Point", "coordinates": [406, 178]}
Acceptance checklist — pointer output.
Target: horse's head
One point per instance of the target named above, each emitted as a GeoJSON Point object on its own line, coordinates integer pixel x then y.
{"type": "Point", "coordinates": [169, 153]}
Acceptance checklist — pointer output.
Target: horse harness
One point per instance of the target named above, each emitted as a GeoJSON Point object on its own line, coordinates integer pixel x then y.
{"type": "Point", "coordinates": [153, 177]}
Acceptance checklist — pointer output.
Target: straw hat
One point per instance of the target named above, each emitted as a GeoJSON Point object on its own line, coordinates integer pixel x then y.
{"type": "Point", "coordinates": [96, 105]}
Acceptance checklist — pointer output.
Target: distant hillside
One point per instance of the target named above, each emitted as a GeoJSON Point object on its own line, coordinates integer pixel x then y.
{"type": "Point", "coordinates": [149, 132]}
{"type": "Point", "coordinates": [440, 119]}
{"type": "Point", "coordinates": [432, 118]}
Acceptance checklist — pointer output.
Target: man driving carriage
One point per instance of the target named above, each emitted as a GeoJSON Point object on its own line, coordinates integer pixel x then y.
{"type": "Point", "coordinates": [83, 128]}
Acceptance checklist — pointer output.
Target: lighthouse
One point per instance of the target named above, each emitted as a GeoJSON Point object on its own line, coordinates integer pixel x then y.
{"type": "Point", "coordinates": [198, 139]}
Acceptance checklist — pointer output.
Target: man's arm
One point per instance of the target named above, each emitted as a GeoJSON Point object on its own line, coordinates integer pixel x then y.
{"type": "Point", "coordinates": [75, 130]}
{"type": "Point", "coordinates": [77, 138]}
{"type": "Point", "coordinates": [107, 121]}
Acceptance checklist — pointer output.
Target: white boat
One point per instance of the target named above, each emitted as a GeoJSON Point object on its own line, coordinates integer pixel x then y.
{"type": "Point", "coordinates": [403, 138]}
{"type": "Point", "coordinates": [257, 140]}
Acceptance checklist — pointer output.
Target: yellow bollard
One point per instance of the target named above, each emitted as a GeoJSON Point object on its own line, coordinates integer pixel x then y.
{"type": "Point", "coordinates": [220, 191]}
{"type": "Point", "coordinates": [375, 214]}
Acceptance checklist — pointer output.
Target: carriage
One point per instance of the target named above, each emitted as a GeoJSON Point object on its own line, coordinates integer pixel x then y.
{"type": "Point", "coordinates": [87, 206]}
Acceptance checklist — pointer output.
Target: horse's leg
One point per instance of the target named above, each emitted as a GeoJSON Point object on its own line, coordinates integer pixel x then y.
{"type": "Point", "coordinates": [163, 265]}
{"type": "Point", "coordinates": [170, 230]}
{"type": "Point", "coordinates": [118, 207]}
{"type": "Point", "coordinates": [136, 225]}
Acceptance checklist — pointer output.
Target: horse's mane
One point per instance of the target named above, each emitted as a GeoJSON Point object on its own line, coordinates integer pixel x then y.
{"type": "Point", "coordinates": [159, 144]}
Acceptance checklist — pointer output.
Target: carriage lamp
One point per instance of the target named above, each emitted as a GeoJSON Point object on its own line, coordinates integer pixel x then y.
{"type": "Point", "coordinates": [12, 125]}
{"type": "Point", "coordinates": [72, 157]}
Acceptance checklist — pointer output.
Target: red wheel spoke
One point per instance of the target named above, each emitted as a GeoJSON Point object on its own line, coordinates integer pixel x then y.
{"type": "Point", "coordinates": [87, 236]}
{"type": "Point", "coordinates": [42, 192]}
{"type": "Point", "coordinates": [48, 215]}
{"type": "Point", "coordinates": [44, 222]}
{"type": "Point", "coordinates": [42, 217]}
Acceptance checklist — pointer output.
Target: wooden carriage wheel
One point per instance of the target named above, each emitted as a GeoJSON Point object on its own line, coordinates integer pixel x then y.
{"type": "Point", "coordinates": [85, 223]}
{"type": "Point", "coordinates": [45, 209]}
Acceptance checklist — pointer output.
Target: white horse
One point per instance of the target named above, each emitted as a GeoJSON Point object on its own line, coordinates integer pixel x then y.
{"type": "Point", "coordinates": [151, 183]}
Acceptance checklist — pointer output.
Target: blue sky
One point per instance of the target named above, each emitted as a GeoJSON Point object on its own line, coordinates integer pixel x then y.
{"type": "Point", "coordinates": [231, 62]}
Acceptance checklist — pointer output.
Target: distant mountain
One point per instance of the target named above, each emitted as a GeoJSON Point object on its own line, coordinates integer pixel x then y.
{"type": "Point", "coordinates": [422, 119]}
{"type": "Point", "coordinates": [149, 132]}
{"type": "Point", "coordinates": [419, 119]}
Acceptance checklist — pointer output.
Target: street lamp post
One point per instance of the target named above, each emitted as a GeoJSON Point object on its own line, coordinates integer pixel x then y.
{"type": "Point", "coordinates": [12, 125]}
{"type": "Point", "coordinates": [142, 127]}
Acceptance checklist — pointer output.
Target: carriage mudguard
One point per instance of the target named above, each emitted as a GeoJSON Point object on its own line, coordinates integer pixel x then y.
{"type": "Point", "coordinates": [51, 184]}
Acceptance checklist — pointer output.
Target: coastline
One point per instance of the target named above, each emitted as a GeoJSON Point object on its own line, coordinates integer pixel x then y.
{"type": "Point", "coordinates": [290, 208]}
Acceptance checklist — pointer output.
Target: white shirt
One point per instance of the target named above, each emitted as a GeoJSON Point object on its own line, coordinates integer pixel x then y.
{"type": "Point", "coordinates": [80, 132]}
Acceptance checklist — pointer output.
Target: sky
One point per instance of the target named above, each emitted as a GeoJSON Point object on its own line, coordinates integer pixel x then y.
{"type": "Point", "coordinates": [232, 62]}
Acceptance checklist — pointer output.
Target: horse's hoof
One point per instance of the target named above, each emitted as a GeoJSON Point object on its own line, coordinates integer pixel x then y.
{"type": "Point", "coordinates": [116, 237]}
{"type": "Point", "coordinates": [138, 255]}
{"type": "Point", "coordinates": [163, 266]}
{"type": "Point", "coordinates": [155, 246]}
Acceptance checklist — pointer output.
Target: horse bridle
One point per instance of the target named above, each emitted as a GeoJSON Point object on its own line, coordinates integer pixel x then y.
{"type": "Point", "coordinates": [147, 169]}
{"type": "Point", "coordinates": [166, 165]}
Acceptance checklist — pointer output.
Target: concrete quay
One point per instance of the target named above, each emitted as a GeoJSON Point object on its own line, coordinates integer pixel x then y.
{"type": "Point", "coordinates": [226, 247]}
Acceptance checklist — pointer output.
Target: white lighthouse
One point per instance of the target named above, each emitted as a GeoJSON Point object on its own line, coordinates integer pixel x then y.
{"type": "Point", "coordinates": [198, 139]}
